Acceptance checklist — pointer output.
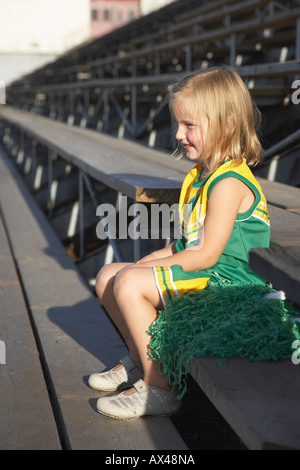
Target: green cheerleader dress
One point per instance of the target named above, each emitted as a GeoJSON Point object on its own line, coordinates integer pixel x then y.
{"type": "Point", "coordinates": [251, 229]}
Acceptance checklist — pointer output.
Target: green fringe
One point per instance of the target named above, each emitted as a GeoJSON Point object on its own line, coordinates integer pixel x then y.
{"type": "Point", "coordinates": [222, 321]}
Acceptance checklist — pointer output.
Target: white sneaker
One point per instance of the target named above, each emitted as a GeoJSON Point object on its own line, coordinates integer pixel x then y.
{"type": "Point", "coordinates": [148, 400]}
{"type": "Point", "coordinates": [117, 379]}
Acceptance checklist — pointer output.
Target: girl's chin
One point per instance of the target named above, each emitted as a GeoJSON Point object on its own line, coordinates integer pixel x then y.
{"type": "Point", "coordinates": [192, 155]}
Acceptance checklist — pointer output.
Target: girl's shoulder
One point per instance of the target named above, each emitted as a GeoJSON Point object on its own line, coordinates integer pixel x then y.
{"type": "Point", "coordinates": [237, 170]}
{"type": "Point", "coordinates": [232, 168]}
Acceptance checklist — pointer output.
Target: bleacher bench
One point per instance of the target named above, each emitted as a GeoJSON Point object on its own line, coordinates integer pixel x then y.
{"type": "Point", "coordinates": [27, 420]}
{"type": "Point", "coordinates": [75, 338]}
{"type": "Point", "coordinates": [138, 172]}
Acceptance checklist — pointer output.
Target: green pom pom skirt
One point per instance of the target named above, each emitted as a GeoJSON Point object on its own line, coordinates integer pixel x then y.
{"type": "Point", "coordinates": [222, 321]}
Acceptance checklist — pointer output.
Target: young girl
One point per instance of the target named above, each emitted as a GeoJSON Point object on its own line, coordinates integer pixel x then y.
{"type": "Point", "coordinates": [216, 120]}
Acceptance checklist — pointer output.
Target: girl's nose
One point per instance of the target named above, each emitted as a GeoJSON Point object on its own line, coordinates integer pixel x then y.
{"type": "Point", "coordinates": [179, 133]}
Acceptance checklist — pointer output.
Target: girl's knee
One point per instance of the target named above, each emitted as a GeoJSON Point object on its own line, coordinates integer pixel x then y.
{"type": "Point", "coordinates": [103, 278]}
{"type": "Point", "coordinates": [124, 282]}
{"type": "Point", "coordinates": [133, 284]}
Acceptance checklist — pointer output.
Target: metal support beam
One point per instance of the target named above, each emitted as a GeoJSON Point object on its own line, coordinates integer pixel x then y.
{"type": "Point", "coordinates": [81, 215]}
{"type": "Point", "coordinates": [297, 45]}
{"type": "Point", "coordinates": [51, 200]}
{"type": "Point", "coordinates": [282, 145]}
{"type": "Point", "coordinates": [232, 50]}
{"type": "Point", "coordinates": [111, 236]}
{"type": "Point", "coordinates": [134, 98]}
{"type": "Point", "coordinates": [188, 58]}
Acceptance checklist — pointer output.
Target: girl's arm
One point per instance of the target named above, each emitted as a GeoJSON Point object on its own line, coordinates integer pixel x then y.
{"type": "Point", "coordinates": [224, 203]}
{"type": "Point", "coordinates": [159, 254]}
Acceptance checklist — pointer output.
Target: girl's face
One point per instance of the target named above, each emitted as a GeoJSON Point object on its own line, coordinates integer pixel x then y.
{"type": "Point", "coordinates": [191, 131]}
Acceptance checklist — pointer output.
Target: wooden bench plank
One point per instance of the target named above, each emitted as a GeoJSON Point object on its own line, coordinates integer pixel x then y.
{"type": "Point", "coordinates": [281, 195]}
{"type": "Point", "coordinates": [76, 336]}
{"type": "Point", "coordinates": [27, 421]}
{"type": "Point", "coordinates": [279, 266]}
{"type": "Point", "coordinates": [284, 226]}
{"type": "Point", "coordinates": [260, 400]}
{"type": "Point", "coordinates": [130, 168]}
{"type": "Point", "coordinates": [140, 165]}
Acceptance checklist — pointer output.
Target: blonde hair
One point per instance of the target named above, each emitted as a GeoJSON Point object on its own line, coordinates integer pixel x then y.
{"type": "Point", "coordinates": [220, 95]}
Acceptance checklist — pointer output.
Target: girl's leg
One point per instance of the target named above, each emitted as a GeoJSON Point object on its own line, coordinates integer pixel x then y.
{"type": "Point", "coordinates": [138, 299]}
{"type": "Point", "coordinates": [105, 291]}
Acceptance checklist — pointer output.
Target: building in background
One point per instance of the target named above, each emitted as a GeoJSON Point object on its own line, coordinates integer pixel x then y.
{"type": "Point", "coordinates": [36, 32]}
{"type": "Point", "coordinates": [107, 15]}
